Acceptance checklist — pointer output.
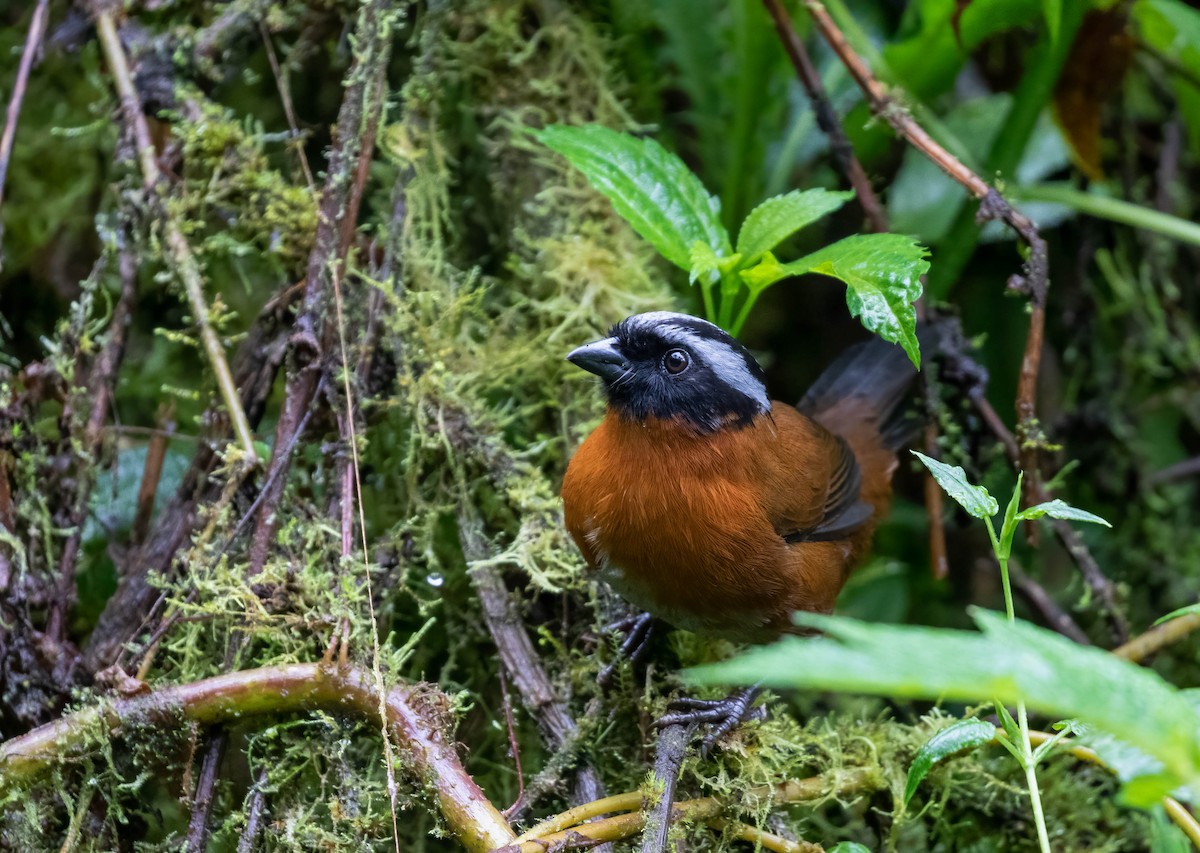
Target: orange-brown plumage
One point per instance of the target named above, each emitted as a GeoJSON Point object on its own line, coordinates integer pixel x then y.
{"type": "Point", "coordinates": [695, 522]}
{"type": "Point", "coordinates": [727, 522]}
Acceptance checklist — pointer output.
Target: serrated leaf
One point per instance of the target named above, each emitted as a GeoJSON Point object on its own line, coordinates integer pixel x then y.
{"type": "Point", "coordinates": [1175, 614]}
{"type": "Point", "coordinates": [651, 188]}
{"type": "Point", "coordinates": [765, 273]}
{"type": "Point", "coordinates": [778, 218]}
{"type": "Point", "coordinates": [974, 499]}
{"type": "Point", "coordinates": [883, 273]}
{"type": "Point", "coordinates": [1008, 662]}
{"type": "Point", "coordinates": [953, 740]}
{"type": "Point", "coordinates": [1061, 509]}
{"type": "Point", "coordinates": [703, 261]}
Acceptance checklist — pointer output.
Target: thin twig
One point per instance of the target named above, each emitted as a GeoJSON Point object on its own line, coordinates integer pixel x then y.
{"type": "Point", "coordinates": [181, 253]}
{"type": "Point", "coordinates": [842, 783]}
{"type": "Point", "coordinates": [33, 46]}
{"type": "Point", "coordinates": [514, 747]}
{"type": "Point", "coordinates": [846, 161]}
{"type": "Point", "coordinates": [256, 814]}
{"type": "Point", "coordinates": [763, 839]}
{"type": "Point", "coordinates": [1158, 636]}
{"type": "Point", "coordinates": [430, 758]}
{"type": "Point", "coordinates": [827, 120]}
{"type": "Point", "coordinates": [289, 111]}
{"type": "Point", "coordinates": [376, 657]}
{"type": "Point", "coordinates": [1035, 277]}
{"type": "Point", "coordinates": [337, 216]}
{"type": "Point", "coordinates": [206, 786]}
{"type": "Point", "coordinates": [668, 761]}
{"type": "Point", "coordinates": [135, 603]}
{"type": "Point", "coordinates": [1178, 471]}
{"type": "Point", "coordinates": [518, 656]}
{"type": "Point", "coordinates": [156, 455]}
{"type": "Point", "coordinates": [103, 378]}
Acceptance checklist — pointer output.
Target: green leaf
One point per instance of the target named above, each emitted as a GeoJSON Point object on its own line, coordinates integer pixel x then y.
{"type": "Point", "coordinates": [703, 261]}
{"type": "Point", "coordinates": [652, 189]}
{"type": "Point", "coordinates": [1166, 837]}
{"type": "Point", "coordinates": [883, 273]}
{"type": "Point", "coordinates": [768, 271]}
{"type": "Point", "coordinates": [1172, 28]}
{"type": "Point", "coordinates": [974, 499]}
{"type": "Point", "coordinates": [1175, 614]}
{"type": "Point", "coordinates": [953, 740]}
{"type": "Point", "coordinates": [849, 847]}
{"type": "Point", "coordinates": [778, 218]}
{"type": "Point", "coordinates": [1009, 528]}
{"type": "Point", "coordinates": [1052, 11]}
{"type": "Point", "coordinates": [1061, 509]}
{"type": "Point", "coordinates": [1009, 724]}
{"type": "Point", "coordinates": [1007, 662]}
{"type": "Point", "coordinates": [1129, 763]}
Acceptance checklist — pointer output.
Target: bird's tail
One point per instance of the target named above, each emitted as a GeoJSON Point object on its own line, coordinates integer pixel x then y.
{"type": "Point", "coordinates": [874, 376]}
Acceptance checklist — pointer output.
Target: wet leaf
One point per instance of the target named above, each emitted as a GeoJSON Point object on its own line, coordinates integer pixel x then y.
{"type": "Point", "coordinates": [953, 740]}
{"type": "Point", "coordinates": [651, 188]}
{"type": "Point", "coordinates": [976, 500]}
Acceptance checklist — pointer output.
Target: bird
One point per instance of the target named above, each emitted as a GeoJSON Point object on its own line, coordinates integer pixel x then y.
{"type": "Point", "coordinates": [714, 508]}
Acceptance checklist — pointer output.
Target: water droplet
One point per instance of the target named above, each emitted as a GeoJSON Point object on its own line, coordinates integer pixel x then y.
{"type": "Point", "coordinates": [434, 579]}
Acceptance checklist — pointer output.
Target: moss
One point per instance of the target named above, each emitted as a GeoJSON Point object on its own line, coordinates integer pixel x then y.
{"type": "Point", "coordinates": [232, 197]}
{"type": "Point", "coordinates": [481, 261]}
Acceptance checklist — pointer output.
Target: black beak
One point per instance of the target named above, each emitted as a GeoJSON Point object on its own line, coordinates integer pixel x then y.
{"type": "Point", "coordinates": [602, 358]}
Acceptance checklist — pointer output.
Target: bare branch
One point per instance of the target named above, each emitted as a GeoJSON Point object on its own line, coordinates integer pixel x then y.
{"type": "Point", "coordinates": [180, 251]}
{"type": "Point", "coordinates": [1035, 277]}
{"type": "Point", "coordinates": [33, 45]}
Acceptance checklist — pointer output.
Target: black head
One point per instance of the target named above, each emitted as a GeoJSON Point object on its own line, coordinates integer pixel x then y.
{"type": "Point", "coordinates": [667, 365]}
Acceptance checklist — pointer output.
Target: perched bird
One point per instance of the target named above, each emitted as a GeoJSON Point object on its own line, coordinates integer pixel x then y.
{"type": "Point", "coordinates": [716, 509]}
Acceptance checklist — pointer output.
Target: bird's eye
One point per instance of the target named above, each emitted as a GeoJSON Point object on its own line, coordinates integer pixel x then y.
{"type": "Point", "coordinates": [676, 361]}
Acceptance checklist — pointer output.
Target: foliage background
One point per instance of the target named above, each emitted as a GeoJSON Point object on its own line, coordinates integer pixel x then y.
{"type": "Point", "coordinates": [479, 259]}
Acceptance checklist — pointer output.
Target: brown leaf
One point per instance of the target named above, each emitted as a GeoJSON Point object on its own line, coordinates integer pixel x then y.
{"type": "Point", "coordinates": [1093, 73]}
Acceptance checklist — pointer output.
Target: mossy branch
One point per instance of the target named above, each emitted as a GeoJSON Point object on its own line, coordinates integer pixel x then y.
{"type": "Point", "coordinates": [426, 750]}
{"type": "Point", "coordinates": [180, 252]}
{"type": "Point", "coordinates": [619, 827]}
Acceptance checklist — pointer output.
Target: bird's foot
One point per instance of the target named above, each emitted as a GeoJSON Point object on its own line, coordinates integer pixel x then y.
{"type": "Point", "coordinates": [637, 630]}
{"type": "Point", "coordinates": [721, 716]}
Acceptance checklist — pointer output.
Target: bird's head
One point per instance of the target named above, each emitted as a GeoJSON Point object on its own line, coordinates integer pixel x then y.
{"type": "Point", "coordinates": [674, 366]}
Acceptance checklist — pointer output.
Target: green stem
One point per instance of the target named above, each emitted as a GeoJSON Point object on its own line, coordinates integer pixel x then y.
{"type": "Point", "coordinates": [1035, 795]}
{"type": "Point", "coordinates": [1027, 762]}
{"type": "Point", "coordinates": [1112, 209]}
{"type": "Point", "coordinates": [710, 311]}
{"type": "Point", "coordinates": [751, 298]}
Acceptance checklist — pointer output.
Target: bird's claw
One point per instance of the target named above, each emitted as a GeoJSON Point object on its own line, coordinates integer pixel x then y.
{"type": "Point", "coordinates": [720, 715]}
{"type": "Point", "coordinates": [637, 630]}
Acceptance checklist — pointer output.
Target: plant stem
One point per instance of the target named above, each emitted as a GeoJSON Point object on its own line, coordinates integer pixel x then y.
{"type": "Point", "coordinates": [428, 750]}
{"type": "Point", "coordinates": [181, 255]}
{"type": "Point", "coordinates": [1027, 762]}
{"type": "Point", "coordinates": [751, 298]}
{"type": "Point", "coordinates": [710, 312]}
{"type": "Point", "coordinates": [1035, 796]}
{"type": "Point", "coordinates": [1112, 209]}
